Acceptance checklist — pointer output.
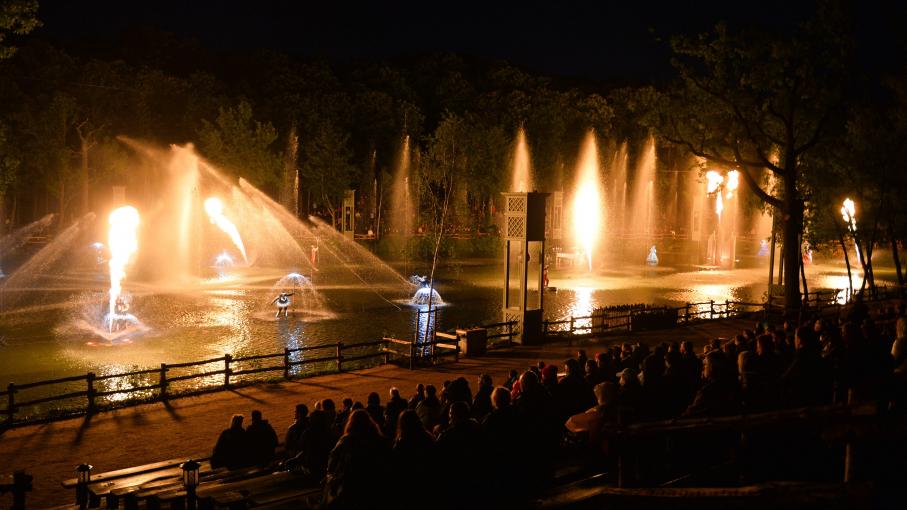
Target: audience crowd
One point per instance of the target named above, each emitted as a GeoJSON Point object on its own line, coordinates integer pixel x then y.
{"type": "Point", "coordinates": [458, 441]}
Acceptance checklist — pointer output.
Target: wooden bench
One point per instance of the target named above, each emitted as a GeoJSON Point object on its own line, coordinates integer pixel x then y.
{"type": "Point", "coordinates": [105, 486]}
{"type": "Point", "coordinates": [17, 484]}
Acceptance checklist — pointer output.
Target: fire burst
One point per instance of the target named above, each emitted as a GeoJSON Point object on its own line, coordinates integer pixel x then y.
{"type": "Point", "coordinates": [215, 209]}
{"type": "Point", "coordinates": [123, 241]}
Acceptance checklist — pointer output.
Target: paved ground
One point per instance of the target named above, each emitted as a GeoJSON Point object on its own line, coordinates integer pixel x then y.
{"type": "Point", "coordinates": [189, 426]}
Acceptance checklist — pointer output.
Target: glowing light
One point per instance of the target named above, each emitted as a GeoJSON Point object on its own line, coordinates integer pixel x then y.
{"type": "Point", "coordinates": [719, 206]}
{"type": "Point", "coordinates": [123, 242]}
{"type": "Point", "coordinates": [587, 203]}
{"type": "Point", "coordinates": [849, 213]}
{"type": "Point", "coordinates": [224, 259]}
{"type": "Point", "coordinates": [714, 180]}
{"type": "Point", "coordinates": [215, 209]}
{"type": "Point", "coordinates": [522, 172]}
{"type": "Point", "coordinates": [733, 180]}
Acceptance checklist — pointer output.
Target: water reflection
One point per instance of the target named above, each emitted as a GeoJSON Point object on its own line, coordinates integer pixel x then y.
{"type": "Point", "coordinates": [581, 307]}
{"type": "Point", "coordinates": [423, 324]}
{"type": "Point", "coordinates": [291, 332]}
{"type": "Point", "coordinates": [123, 384]}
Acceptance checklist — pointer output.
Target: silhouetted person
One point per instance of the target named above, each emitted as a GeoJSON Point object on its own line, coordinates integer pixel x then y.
{"type": "Point", "coordinates": [357, 466]}
{"type": "Point", "coordinates": [375, 409]}
{"type": "Point", "coordinates": [293, 437]}
{"type": "Point", "coordinates": [572, 395]}
{"type": "Point", "coordinates": [679, 387]}
{"type": "Point", "coordinates": [807, 382]}
{"type": "Point", "coordinates": [459, 449]}
{"type": "Point", "coordinates": [631, 397]}
{"type": "Point", "coordinates": [481, 404]}
{"type": "Point", "coordinates": [720, 394]}
{"type": "Point", "coordinates": [261, 440]}
{"type": "Point", "coordinates": [512, 377]}
{"type": "Point", "coordinates": [418, 397]}
{"type": "Point", "coordinates": [230, 449]}
{"type": "Point", "coordinates": [413, 456]}
{"type": "Point", "coordinates": [317, 442]}
{"type": "Point", "coordinates": [344, 414]}
{"type": "Point", "coordinates": [430, 408]}
{"type": "Point", "coordinates": [538, 414]}
{"type": "Point", "coordinates": [395, 405]}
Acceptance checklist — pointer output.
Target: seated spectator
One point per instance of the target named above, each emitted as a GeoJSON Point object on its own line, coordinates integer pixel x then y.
{"type": "Point", "coordinates": [357, 466]}
{"type": "Point", "coordinates": [261, 440]}
{"type": "Point", "coordinates": [345, 411]}
{"type": "Point", "coordinates": [654, 393]}
{"type": "Point", "coordinates": [395, 405]}
{"type": "Point", "coordinates": [418, 397]}
{"type": "Point", "coordinates": [293, 437]}
{"type": "Point", "coordinates": [316, 445]}
{"type": "Point", "coordinates": [591, 374]}
{"type": "Point", "coordinates": [375, 409]}
{"type": "Point", "coordinates": [429, 410]}
{"type": "Point", "coordinates": [481, 404]}
{"type": "Point", "coordinates": [679, 386]}
{"type": "Point", "coordinates": [572, 395]}
{"type": "Point", "coordinates": [460, 448]}
{"type": "Point", "coordinates": [591, 423]}
{"type": "Point", "coordinates": [413, 455]}
{"type": "Point", "coordinates": [719, 395]}
{"type": "Point", "coordinates": [807, 382]}
{"type": "Point", "coordinates": [512, 377]}
{"type": "Point", "coordinates": [631, 397]}
{"type": "Point", "coordinates": [758, 392]}
{"type": "Point", "coordinates": [230, 450]}
{"type": "Point", "coordinates": [549, 378]}
{"type": "Point", "coordinates": [505, 439]}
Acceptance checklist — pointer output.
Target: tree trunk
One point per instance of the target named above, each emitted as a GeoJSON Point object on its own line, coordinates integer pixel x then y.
{"type": "Point", "coordinates": [792, 228]}
{"type": "Point", "coordinates": [83, 177]}
{"type": "Point", "coordinates": [895, 256]}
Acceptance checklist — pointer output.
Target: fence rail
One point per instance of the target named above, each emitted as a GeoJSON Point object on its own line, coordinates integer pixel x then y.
{"type": "Point", "coordinates": [159, 388]}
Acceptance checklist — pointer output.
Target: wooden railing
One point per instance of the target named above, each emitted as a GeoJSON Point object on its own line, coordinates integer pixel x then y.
{"type": "Point", "coordinates": [17, 484]}
{"type": "Point", "coordinates": [111, 390]}
{"type": "Point", "coordinates": [601, 322]}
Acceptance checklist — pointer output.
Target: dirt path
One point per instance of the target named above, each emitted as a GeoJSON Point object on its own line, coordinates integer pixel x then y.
{"type": "Point", "coordinates": [189, 426]}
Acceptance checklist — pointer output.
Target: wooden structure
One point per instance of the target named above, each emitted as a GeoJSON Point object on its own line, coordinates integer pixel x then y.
{"type": "Point", "coordinates": [524, 238]}
{"type": "Point", "coordinates": [348, 214]}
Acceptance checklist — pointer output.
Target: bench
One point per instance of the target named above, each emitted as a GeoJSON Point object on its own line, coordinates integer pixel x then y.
{"type": "Point", "coordinates": [18, 484]}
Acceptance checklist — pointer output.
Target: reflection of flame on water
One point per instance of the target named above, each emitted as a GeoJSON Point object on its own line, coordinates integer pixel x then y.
{"type": "Point", "coordinates": [587, 203]}
{"type": "Point", "coordinates": [215, 209]}
{"type": "Point", "coordinates": [123, 242]}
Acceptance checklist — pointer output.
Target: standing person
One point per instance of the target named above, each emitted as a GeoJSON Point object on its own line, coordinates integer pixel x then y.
{"type": "Point", "coordinates": [375, 409]}
{"type": "Point", "coordinates": [230, 449]}
{"type": "Point", "coordinates": [429, 410]}
{"type": "Point", "coordinates": [357, 466]}
{"type": "Point", "coordinates": [261, 440]}
{"type": "Point", "coordinates": [294, 433]}
{"type": "Point", "coordinates": [460, 450]}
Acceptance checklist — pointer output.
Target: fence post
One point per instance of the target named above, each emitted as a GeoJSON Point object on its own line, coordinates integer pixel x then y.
{"type": "Point", "coordinates": [686, 313]}
{"type": "Point", "coordinates": [21, 485]}
{"type": "Point", "coordinates": [727, 308]}
{"type": "Point", "coordinates": [10, 402]}
{"type": "Point", "coordinates": [412, 355]}
{"type": "Point", "coordinates": [387, 352]}
{"type": "Point", "coordinates": [286, 362]}
{"type": "Point", "coordinates": [89, 379]}
{"type": "Point", "coordinates": [227, 370]}
{"type": "Point", "coordinates": [571, 324]}
{"type": "Point", "coordinates": [339, 356]}
{"type": "Point", "coordinates": [711, 309]}
{"type": "Point", "coordinates": [163, 381]}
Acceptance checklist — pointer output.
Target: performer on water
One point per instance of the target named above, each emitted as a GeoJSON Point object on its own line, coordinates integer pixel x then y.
{"type": "Point", "coordinates": [283, 303]}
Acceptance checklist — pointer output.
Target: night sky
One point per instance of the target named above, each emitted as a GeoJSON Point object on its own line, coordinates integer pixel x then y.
{"type": "Point", "coordinates": [609, 41]}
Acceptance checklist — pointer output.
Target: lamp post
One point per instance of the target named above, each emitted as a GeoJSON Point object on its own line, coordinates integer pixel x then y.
{"type": "Point", "coordinates": [190, 481]}
{"type": "Point", "coordinates": [83, 478]}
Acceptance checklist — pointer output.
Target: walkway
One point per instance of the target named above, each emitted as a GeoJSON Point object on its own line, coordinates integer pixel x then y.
{"type": "Point", "coordinates": [189, 426]}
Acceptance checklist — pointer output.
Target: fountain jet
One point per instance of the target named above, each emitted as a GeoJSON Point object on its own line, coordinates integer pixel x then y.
{"type": "Point", "coordinates": [587, 202]}
{"type": "Point", "coordinates": [123, 242]}
{"type": "Point", "coordinates": [215, 209]}
{"type": "Point", "coordinates": [522, 173]}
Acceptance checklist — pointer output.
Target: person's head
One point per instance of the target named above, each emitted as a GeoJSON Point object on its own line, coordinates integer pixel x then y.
{"type": "Point", "coordinates": [459, 412]}
{"type": "Point", "coordinates": [528, 381]}
{"type": "Point", "coordinates": [302, 411]}
{"type": "Point", "coordinates": [540, 365]}
{"type": "Point", "coordinates": [431, 391]}
{"type": "Point", "coordinates": [500, 397]}
{"type": "Point", "coordinates": [765, 345]}
{"type": "Point", "coordinates": [606, 393]}
{"type": "Point", "coordinates": [318, 420]}
{"type": "Point", "coordinates": [485, 380]}
{"type": "Point", "coordinates": [360, 423]}
{"type": "Point", "coordinates": [549, 374]}
{"type": "Point", "coordinates": [347, 404]}
{"type": "Point", "coordinates": [373, 399]}
{"type": "Point", "coordinates": [236, 421]}
{"type": "Point", "coordinates": [803, 338]}
{"type": "Point", "coordinates": [591, 367]}
{"type": "Point", "coordinates": [672, 359]}
{"type": "Point", "coordinates": [513, 375]}
{"type": "Point", "coordinates": [420, 389]}
{"type": "Point", "coordinates": [571, 366]}
{"type": "Point", "coordinates": [256, 416]}
{"type": "Point", "coordinates": [628, 377]}
{"type": "Point", "coordinates": [358, 405]}
{"type": "Point", "coordinates": [686, 348]}
{"type": "Point", "coordinates": [394, 393]}
{"type": "Point", "coordinates": [328, 406]}
{"type": "Point", "coordinates": [409, 425]}
{"type": "Point", "coordinates": [580, 354]}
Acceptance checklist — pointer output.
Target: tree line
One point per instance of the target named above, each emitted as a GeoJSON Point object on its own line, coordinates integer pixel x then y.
{"type": "Point", "coordinates": [795, 113]}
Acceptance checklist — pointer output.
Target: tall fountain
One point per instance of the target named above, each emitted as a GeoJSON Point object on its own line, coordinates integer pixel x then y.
{"type": "Point", "coordinates": [642, 209]}
{"type": "Point", "coordinates": [521, 179]}
{"type": "Point", "coordinates": [401, 207]}
{"type": "Point", "coordinates": [588, 207]}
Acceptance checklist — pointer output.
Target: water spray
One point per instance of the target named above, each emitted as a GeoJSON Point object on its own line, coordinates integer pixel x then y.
{"type": "Point", "coordinates": [123, 243]}
{"type": "Point", "coordinates": [215, 209]}
{"type": "Point", "coordinates": [587, 203]}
